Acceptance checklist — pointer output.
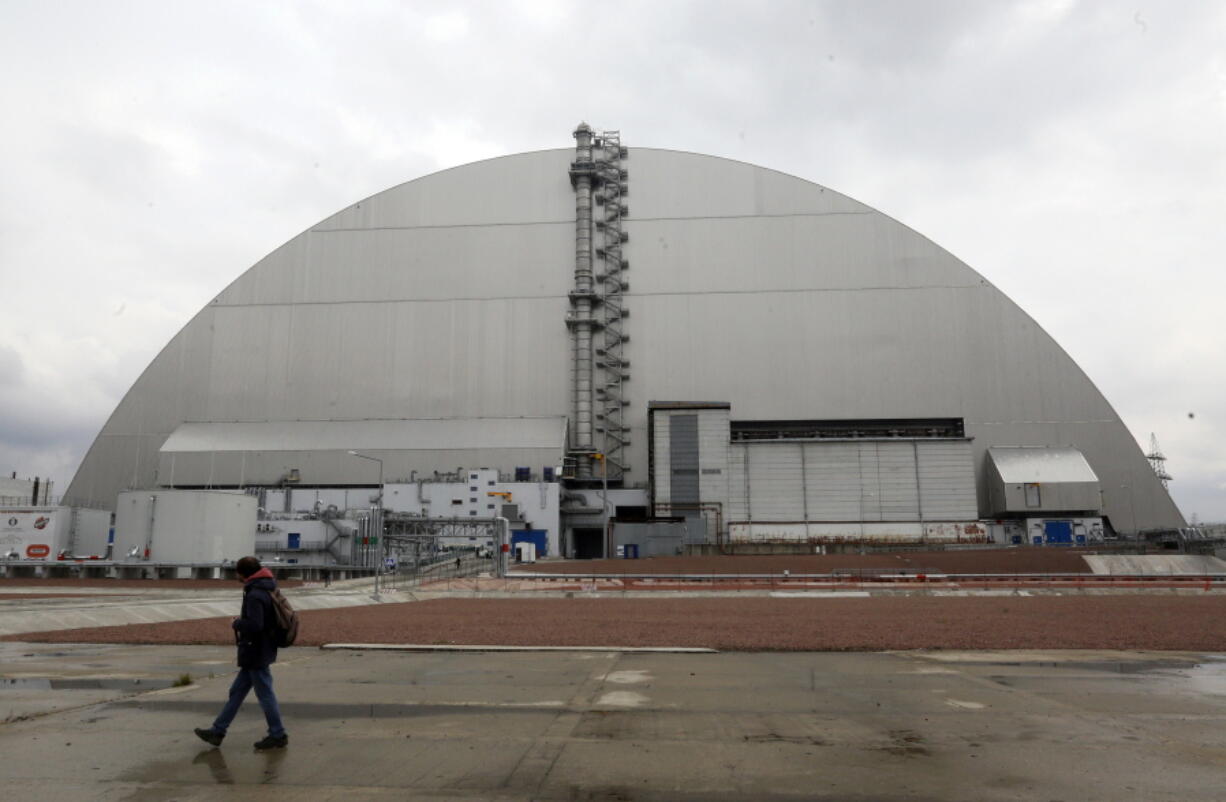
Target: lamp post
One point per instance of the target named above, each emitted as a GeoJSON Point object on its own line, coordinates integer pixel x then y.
{"type": "Point", "coordinates": [604, 501]}
{"type": "Point", "coordinates": [379, 537]}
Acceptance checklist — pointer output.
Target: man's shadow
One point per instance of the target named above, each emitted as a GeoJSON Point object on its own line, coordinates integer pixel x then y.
{"type": "Point", "coordinates": [215, 760]}
{"type": "Point", "coordinates": [273, 758]}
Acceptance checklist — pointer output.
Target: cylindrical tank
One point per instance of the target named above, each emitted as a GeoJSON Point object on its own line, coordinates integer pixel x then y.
{"type": "Point", "coordinates": [184, 526]}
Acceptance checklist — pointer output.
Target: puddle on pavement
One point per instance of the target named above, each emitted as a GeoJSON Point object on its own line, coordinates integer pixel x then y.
{"type": "Point", "coordinates": [83, 683]}
{"type": "Point", "coordinates": [209, 764]}
{"type": "Point", "coordinates": [1209, 677]}
{"type": "Point", "coordinates": [1108, 666]}
{"type": "Point", "coordinates": [1200, 677]}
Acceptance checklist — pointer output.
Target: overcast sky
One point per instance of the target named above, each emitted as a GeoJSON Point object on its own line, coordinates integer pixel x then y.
{"type": "Point", "coordinates": [1074, 153]}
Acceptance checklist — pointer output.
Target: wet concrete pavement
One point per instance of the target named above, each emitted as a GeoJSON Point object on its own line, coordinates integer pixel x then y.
{"type": "Point", "coordinates": [601, 726]}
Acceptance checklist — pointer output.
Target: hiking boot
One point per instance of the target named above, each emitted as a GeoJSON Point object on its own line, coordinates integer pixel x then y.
{"type": "Point", "coordinates": [208, 736]}
{"type": "Point", "coordinates": [269, 742]}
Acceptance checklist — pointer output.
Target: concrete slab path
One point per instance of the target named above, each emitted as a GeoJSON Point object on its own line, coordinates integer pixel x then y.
{"type": "Point", "coordinates": [18, 615]}
{"type": "Point", "coordinates": [1155, 564]}
{"type": "Point", "coordinates": [582, 726]}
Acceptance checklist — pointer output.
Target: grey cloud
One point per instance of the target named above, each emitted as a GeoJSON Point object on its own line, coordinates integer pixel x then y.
{"type": "Point", "coordinates": [1076, 162]}
{"type": "Point", "coordinates": [12, 369]}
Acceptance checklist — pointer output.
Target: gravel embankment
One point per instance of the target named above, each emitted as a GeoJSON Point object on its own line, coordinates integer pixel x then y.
{"type": "Point", "coordinates": [986, 561]}
{"type": "Point", "coordinates": [1191, 623]}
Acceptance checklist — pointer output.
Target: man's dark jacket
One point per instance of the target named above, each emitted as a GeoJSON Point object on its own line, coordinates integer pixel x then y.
{"type": "Point", "coordinates": [253, 629]}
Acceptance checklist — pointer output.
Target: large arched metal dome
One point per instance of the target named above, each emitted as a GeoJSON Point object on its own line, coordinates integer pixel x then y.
{"type": "Point", "coordinates": [447, 297]}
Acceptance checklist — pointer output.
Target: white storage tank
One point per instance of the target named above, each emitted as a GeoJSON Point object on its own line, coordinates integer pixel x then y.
{"type": "Point", "coordinates": [43, 532]}
{"type": "Point", "coordinates": [184, 526]}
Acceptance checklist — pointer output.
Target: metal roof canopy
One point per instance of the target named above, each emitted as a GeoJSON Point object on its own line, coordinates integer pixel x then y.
{"type": "Point", "coordinates": [1038, 480]}
{"type": "Point", "coordinates": [689, 405]}
{"type": "Point", "coordinates": [1041, 464]}
{"type": "Point", "coordinates": [405, 434]}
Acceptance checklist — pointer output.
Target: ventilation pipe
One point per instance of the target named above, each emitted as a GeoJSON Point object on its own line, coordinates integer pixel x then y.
{"type": "Point", "coordinates": [581, 297]}
{"type": "Point", "coordinates": [153, 506]}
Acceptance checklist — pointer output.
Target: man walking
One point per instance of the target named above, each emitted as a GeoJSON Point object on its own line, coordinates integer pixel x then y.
{"type": "Point", "coordinates": [257, 650]}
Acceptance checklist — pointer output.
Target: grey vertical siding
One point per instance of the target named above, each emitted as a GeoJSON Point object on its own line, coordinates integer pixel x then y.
{"type": "Point", "coordinates": [683, 469]}
{"type": "Point", "coordinates": [947, 479]}
{"type": "Point", "coordinates": [853, 481]}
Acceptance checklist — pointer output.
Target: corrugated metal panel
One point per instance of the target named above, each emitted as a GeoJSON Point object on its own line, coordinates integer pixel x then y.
{"type": "Point", "coordinates": [897, 482]}
{"type": "Point", "coordinates": [878, 481]}
{"type": "Point", "coordinates": [738, 508]}
{"type": "Point", "coordinates": [713, 445]}
{"type": "Point", "coordinates": [870, 486]}
{"type": "Point", "coordinates": [683, 460]}
{"type": "Point", "coordinates": [661, 481]}
{"type": "Point", "coordinates": [833, 476]}
{"type": "Point", "coordinates": [775, 482]}
{"type": "Point", "coordinates": [947, 480]}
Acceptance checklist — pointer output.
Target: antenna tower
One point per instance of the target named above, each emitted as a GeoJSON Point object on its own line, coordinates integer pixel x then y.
{"type": "Point", "coordinates": [1157, 460]}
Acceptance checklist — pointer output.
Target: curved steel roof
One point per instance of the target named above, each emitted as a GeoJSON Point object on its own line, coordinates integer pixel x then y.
{"type": "Point", "coordinates": [446, 296]}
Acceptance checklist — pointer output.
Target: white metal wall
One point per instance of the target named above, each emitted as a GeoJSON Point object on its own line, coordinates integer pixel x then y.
{"type": "Point", "coordinates": [871, 480]}
{"type": "Point", "coordinates": [947, 480]}
{"type": "Point", "coordinates": [184, 526]}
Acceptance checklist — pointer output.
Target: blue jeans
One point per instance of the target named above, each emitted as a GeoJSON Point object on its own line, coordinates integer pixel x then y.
{"type": "Point", "coordinates": [244, 681]}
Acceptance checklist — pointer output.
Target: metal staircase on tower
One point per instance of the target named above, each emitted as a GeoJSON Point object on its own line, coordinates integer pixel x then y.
{"type": "Point", "coordinates": [597, 319]}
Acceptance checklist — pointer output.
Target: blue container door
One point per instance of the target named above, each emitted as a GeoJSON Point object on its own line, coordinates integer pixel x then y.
{"type": "Point", "coordinates": [1058, 531]}
{"type": "Point", "coordinates": [295, 540]}
{"type": "Point", "coordinates": [537, 537]}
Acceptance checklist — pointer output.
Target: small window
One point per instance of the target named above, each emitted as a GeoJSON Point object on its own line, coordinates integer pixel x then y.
{"type": "Point", "coordinates": [472, 500]}
{"type": "Point", "coordinates": [472, 512]}
{"type": "Point", "coordinates": [491, 483]}
{"type": "Point", "coordinates": [456, 501]}
{"type": "Point", "coordinates": [1032, 496]}
{"type": "Point", "coordinates": [472, 489]}
{"type": "Point", "coordinates": [489, 506]}
{"type": "Point", "coordinates": [472, 476]}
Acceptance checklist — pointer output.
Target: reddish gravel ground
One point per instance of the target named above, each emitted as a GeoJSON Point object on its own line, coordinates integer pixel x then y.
{"type": "Point", "coordinates": [986, 561]}
{"type": "Point", "coordinates": [143, 584]}
{"type": "Point", "coordinates": [1191, 623]}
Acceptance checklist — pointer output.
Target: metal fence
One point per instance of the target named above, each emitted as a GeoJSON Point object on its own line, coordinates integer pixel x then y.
{"type": "Point", "coordinates": [441, 566]}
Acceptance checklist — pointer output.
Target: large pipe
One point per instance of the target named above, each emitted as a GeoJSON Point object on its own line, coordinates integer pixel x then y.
{"type": "Point", "coordinates": [583, 296]}
{"type": "Point", "coordinates": [153, 506]}
{"type": "Point", "coordinates": [502, 546]}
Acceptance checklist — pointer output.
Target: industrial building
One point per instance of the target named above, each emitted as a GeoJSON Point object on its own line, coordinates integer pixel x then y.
{"type": "Point", "coordinates": [16, 492]}
{"type": "Point", "coordinates": [629, 350]}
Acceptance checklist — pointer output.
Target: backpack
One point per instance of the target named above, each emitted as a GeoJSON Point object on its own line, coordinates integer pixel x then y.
{"type": "Point", "coordinates": [285, 628]}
